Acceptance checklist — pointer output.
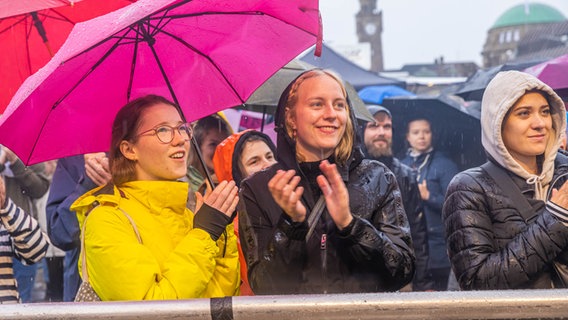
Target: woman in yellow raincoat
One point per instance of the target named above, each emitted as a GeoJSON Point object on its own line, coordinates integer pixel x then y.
{"type": "Point", "coordinates": [179, 255]}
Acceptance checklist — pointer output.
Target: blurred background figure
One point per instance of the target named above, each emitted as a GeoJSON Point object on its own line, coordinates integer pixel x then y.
{"type": "Point", "coordinates": [208, 133]}
{"type": "Point", "coordinates": [435, 170]}
{"type": "Point", "coordinates": [73, 177]}
{"type": "Point", "coordinates": [21, 238]}
{"type": "Point", "coordinates": [23, 186]}
{"type": "Point", "coordinates": [236, 158]}
{"type": "Point", "coordinates": [377, 136]}
{"type": "Point", "coordinates": [54, 258]}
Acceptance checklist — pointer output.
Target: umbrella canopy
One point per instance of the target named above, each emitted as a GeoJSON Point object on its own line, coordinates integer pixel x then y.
{"type": "Point", "coordinates": [12, 8]}
{"type": "Point", "coordinates": [474, 87]}
{"type": "Point", "coordinates": [32, 31]}
{"type": "Point", "coordinates": [350, 72]}
{"type": "Point", "coordinates": [269, 93]}
{"type": "Point", "coordinates": [376, 94]}
{"type": "Point", "coordinates": [456, 128]}
{"type": "Point", "coordinates": [197, 53]}
{"type": "Point", "coordinates": [553, 72]}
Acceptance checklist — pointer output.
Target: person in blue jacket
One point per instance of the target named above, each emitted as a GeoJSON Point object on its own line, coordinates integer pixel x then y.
{"type": "Point", "coordinates": [72, 178]}
{"type": "Point", "coordinates": [435, 171]}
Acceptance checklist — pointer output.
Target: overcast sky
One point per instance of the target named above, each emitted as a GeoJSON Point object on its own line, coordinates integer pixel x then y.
{"type": "Point", "coordinates": [418, 31]}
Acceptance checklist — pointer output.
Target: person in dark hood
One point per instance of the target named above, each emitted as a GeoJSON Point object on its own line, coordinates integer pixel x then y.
{"type": "Point", "coordinates": [359, 241]}
{"type": "Point", "coordinates": [435, 171]}
{"type": "Point", "coordinates": [377, 136]}
{"type": "Point", "coordinates": [237, 157]}
{"type": "Point", "coordinates": [507, 221]}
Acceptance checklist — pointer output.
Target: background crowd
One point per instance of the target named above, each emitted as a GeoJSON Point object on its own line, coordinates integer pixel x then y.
{"type": "Point", "coordinates": [176, 210]}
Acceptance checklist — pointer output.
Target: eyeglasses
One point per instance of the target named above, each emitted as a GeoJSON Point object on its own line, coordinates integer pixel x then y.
{"type": "Point", "coordinates": [165, 133]}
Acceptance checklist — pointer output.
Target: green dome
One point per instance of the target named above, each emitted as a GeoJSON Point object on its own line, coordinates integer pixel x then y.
{"type": "Point", "coordinates": [535, 13]}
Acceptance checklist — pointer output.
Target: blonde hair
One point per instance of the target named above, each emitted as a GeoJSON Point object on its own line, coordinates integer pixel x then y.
{"type": "Point", "coordinates": [345, 146]}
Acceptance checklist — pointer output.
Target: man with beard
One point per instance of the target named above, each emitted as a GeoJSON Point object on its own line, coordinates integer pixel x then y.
{"type": "Point", "coordinates": [378, 146]}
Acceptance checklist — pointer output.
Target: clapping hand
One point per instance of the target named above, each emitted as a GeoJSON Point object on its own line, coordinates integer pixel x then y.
{"type": "Point", "coordinates": [335, 194]}
{"type": "Point", "coordinates": [560, 196]}
{"type": "Point", "coordinates": [424, 192]}
{"type": "Point", "coordinates": [2, 193]}
{"type": "Point", "coordinates": [224, 198]}
{"type": "Point", "coordinates": [97, 169]}
{"type": "Point", "coordinates": [285, 191]}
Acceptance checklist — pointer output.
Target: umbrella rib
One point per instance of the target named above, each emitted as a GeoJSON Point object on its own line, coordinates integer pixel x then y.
{"type": "Point", "coordinates": [109, 51]}
{"type": "Point", "coordinates": [58, 16]}
{"type": "Point", "coordinates": [132, 69]}
{"type": "Point", "coordinates": [190, 47]}
{"type": "Point", "coordinates": [24, 18]}
{"type": "Point", "coordinates": [259, 13]}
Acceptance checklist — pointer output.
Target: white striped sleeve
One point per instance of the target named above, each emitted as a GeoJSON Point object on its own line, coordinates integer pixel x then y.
{"type": "Point", "coordinates": [30, 243]}
{"type": "Point", "coordinates": [560, 213]}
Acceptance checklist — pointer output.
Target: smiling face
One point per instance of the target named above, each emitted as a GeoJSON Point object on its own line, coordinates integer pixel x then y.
{"type": "Point", "coordinates": [318, 118]}
{"type": "Point", "coordinates": [419, 135]}
{"type": "Point", "coordinates": [255, 156]}
{"type": "Point", "coordinates": [155, 160]}
{"type": "Point", "coordinates": [527, 128]}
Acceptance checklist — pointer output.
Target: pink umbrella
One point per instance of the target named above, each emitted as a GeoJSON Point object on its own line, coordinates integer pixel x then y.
{"type": "Point", "coordinates": [205, 55]}
{"type": "Point", "coordinates": [554, 73]}
{"type": "Point", "coordinates": [29, 36]}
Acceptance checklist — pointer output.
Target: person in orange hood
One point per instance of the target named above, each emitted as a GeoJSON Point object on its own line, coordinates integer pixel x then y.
{"type": "Point", "coordinates": [239, 156]}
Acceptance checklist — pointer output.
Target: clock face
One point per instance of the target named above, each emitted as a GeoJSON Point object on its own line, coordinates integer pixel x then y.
{"type": "Point", "coordinates": [370, 28]}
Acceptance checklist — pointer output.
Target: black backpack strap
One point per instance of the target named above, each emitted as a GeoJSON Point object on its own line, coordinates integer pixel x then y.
{"type": "Point", "coordinates": [510, 189]}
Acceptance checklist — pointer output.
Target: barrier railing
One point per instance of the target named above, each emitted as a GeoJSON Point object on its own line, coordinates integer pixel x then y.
{"type": "Point", "coordinates": [511, 304]}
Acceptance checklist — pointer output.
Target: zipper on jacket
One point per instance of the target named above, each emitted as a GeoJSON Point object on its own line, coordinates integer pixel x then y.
{"type": "Point", "coordinates": [323, 251]}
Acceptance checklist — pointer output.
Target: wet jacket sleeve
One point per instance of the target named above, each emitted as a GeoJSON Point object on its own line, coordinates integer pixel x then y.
{"type": "Point", "coordinates": [418, 228]}
{"type": "Point", "coordinates": [376, 246]}
{"type": "Point", "coordinates": [382, 243]}
{"type": "Point", "coordinates": [69, 182]}
{"type": "Point", "coordinates": [443, 171]}
{"type": "Point", "coordinates": [32, 180]}
{"type": "Point", "coordinates": [30, 243]}
{"type": "Point", "coordinates": [476, 259]}
{"type": "Point", "coordinates": [120, 268]}
{"type": "Point", "coordinates": [271, 245]}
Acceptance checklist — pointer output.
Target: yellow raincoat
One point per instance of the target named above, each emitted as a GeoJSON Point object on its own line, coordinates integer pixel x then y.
{"type": "Point", "coordinates": [174, 261]}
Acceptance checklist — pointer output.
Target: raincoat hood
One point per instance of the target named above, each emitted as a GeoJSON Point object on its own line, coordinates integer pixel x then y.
{"type": "Point", "coordinates": [227, 154]}
{"type": "Point", "coordinates": [500, 95]}
{"type": "Point", "coordinates": [286, 146]}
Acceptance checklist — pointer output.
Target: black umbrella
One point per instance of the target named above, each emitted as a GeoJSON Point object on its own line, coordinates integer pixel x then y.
{"type": "Point", "coordinates": [455, 125]}
{"type": "Point", "coordinates": [268, 94]}
{"type": "Point", "coordinates": [474, 87]}
{"type": "Point", "coordinates": [357, 76]}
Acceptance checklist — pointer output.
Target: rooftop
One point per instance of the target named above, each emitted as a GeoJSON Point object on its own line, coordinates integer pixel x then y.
{"type": "Point", "coordinates": [529, 13]}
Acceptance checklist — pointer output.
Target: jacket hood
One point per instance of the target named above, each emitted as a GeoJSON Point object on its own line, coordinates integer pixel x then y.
{"type": "Point", "coordinates": [501, 94]}
{"type": "Point", "coordinates": [227, 154]}
{"type": "Point", "coordinates": [286, 146]}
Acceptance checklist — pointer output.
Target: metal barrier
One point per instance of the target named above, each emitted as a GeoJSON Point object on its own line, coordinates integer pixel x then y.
{"type": "Point", "coordinates": [511, 304]}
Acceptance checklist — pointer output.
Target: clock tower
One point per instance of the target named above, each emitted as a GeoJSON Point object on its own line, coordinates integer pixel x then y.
{"type": "Point", "coordinates": [369, 29]}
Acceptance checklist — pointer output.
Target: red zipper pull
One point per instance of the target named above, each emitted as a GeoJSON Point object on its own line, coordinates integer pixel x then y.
{"type": "Point", "coordinates": [323, 243]}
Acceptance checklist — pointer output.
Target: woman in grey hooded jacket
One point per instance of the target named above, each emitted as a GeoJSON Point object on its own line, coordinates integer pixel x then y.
{"type": "Point", "coordinates": [507, 221]}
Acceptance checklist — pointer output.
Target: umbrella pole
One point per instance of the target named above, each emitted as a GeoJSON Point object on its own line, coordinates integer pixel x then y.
{"type": "Point", "coordinates": [41, 31]}
{"type": "Point", "coordinates": [178, 107]}
{"type": "Point", "coordinates": [263, 118]}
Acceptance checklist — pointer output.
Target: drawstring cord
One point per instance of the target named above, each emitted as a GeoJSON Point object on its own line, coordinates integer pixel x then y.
{"type": "Point", "coordinates": [538, 189]}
